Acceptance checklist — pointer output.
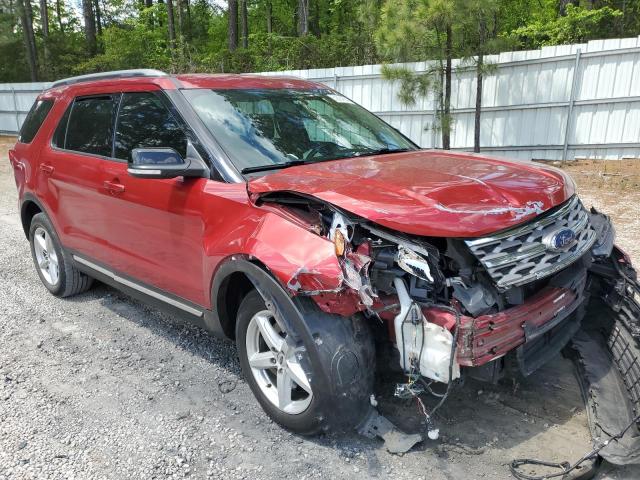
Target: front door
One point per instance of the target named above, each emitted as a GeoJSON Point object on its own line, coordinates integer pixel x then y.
{"type": "Point", "coordinates": [155, 226]}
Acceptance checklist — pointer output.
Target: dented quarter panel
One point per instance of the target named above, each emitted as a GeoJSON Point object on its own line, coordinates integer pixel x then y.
{"type": "Point", "coordinates": [429, 193]}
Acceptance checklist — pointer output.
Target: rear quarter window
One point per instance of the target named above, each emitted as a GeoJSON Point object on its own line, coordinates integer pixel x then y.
{"type": "Point", "coordinates": [61, 130]}
{"type": "Point", "coordinates": [34, 120]}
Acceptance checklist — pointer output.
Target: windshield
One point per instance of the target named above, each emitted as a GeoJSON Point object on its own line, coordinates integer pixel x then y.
{"type": "Point", "coordinates": [269, 129]}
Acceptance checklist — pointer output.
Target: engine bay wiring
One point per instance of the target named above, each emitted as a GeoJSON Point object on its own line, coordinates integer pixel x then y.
{"type": "Point", "coordinates": [409, 389]}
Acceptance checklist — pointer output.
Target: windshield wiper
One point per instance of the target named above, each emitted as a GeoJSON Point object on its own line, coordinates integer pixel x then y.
{"type": "Point", "coordinates": [382, 151]}
{"type": "Point", "coordinates": [293, 163]}
{"type": "Point", "coordinates": [272, 166]}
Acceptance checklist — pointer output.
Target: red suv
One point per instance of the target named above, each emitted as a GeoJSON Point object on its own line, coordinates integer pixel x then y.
{"type": "Point", "coordinates": [276, 212]}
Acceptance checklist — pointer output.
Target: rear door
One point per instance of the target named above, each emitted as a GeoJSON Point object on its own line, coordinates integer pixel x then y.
{"type": "Point", "coordinates": [71, 171]}
{"type": "Point", "coordinates": [155, 227]}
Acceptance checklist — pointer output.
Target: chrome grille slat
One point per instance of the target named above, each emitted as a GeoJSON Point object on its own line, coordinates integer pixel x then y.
{"type": "Point", "coordinates": [519, 256]}
{"type": "Point", "coordinates": [507, 258]}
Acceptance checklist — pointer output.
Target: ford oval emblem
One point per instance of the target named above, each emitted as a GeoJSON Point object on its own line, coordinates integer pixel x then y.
{"type": "Point", "coordinates": [559, 240]}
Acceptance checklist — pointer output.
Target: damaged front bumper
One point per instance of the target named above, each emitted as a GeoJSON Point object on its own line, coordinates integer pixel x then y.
{"type": "Point", "coordinates": [489, 337]}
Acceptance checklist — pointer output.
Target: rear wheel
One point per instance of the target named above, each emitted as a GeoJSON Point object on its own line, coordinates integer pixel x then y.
{"type": "Point", "coordinates": [271, 365]}
{"type": "Point", "coordinates": [54, 267]}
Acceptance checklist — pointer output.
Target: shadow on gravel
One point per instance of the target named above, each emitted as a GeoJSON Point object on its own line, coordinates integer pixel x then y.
{"type": "Point", "coordinates": [478, 415]}
{"type": "Point", "coordinates": [184, 335]}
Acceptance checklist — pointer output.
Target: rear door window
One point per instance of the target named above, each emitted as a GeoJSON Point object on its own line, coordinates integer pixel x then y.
{"type": "Point", "coordinates": [34, 120]}
{"type": "Point", "coordinates": [144, 121]}
{"type": "Point", "coordinates": [90, 127]}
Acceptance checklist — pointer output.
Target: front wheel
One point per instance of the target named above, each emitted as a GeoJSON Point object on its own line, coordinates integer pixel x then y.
{"type": "Point", "coordinates": [271, 365]}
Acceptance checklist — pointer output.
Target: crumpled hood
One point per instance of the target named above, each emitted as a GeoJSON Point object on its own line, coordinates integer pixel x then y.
{"type": "Point", "coordinates": [429, 193]}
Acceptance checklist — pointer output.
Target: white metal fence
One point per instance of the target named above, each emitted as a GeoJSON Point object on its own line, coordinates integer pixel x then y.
{"type": "Point", "coordinates": [15, 101]}
{"type": "Point", "coordinates": [558, 102]}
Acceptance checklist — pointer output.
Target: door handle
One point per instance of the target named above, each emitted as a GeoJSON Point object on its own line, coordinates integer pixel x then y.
{"type": "Point", "coordinates": [46, 168]}
{"type": "Point", "coordinates": [113, 187]}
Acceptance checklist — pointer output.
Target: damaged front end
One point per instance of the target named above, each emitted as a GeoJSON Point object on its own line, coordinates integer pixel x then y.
{"type": "Point", "coordinates": [482, 307]}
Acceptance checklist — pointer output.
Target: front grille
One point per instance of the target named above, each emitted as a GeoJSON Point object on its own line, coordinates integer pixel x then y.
{"type": "Point", "coordinates": [519, 255]}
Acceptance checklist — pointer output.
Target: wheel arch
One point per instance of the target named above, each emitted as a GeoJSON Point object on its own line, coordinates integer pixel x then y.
{"type": "Point", "coordinates": [29, 208]}
{"type": "Point", "coordinates": [233, 280]}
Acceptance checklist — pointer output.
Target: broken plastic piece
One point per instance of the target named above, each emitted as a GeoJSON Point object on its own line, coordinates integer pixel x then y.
{"type": "Point", "coordinates": [433, 434]}
{"type": "Point", "coordinates": [396, 441]}
{"type": "Point", "coordinates": [412, 263]}
{"type": "Point", "coordinates": [354, 267]}
{"type": "Point", "coordinates": [339, 223]}
{"type": "Point", "coordinates": [476, 299]}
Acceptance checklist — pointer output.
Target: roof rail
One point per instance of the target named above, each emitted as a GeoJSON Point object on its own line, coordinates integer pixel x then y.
{"type": "Point", "coordinates": [143, 72]}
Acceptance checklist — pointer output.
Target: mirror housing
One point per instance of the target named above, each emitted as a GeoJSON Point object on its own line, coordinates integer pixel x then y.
{"type": "Point", "coordinates": [161, 163]}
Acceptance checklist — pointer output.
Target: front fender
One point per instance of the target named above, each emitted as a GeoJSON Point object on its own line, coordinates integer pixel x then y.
{"type": "Point", "coordinates": [298, 258]}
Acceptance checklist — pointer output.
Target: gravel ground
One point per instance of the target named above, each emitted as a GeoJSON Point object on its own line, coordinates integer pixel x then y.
{"type": "Point", "coordinates": [101, 386]}
{"type": "Point", "coordinates": [613, 187]}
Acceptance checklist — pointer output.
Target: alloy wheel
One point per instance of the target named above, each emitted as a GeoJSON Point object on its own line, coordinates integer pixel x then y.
{"type": "Point", "coordinates": [275, 365]}
{"type": "Point", "coordinates": [46, 256]}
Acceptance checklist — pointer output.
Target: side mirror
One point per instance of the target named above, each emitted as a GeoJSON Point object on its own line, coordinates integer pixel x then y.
{"type": "Point", "coordinates": [164, 163]}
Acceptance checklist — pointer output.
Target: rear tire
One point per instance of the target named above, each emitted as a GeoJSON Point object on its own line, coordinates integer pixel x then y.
{"type": "Point", "coordinates": [54, 266]}
{"type": "Point", "coordinates": [271, 369]}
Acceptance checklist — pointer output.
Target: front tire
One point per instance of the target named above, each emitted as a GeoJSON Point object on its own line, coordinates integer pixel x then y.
{"type": "Point", "coordinates": [271, 366]}
{"type": "Point", "coordinates": [54, 266]}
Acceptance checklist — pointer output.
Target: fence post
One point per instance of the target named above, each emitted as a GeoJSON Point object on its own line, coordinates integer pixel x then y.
{"type": "Point", "coordinates": [572, 100]}
{"type": "Point", "coordinates": [335, 80]}
{"type": "Point", "coordinates": [15, 109]}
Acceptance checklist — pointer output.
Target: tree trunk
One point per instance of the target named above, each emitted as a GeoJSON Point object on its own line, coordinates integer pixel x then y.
{"type": "Point", "coordinates": [233, 25]}
{"type": "Point", "coordinates": [482, 33]}
{"type": "Point", "coordinates": [96, 7]}
{"type": "Point", "coordinates": [314, 21]}
{"type": "Point", "coordinates": [59, 15]}
{"type": "Point", "coordinates": [159, 18]}
{"type": "Point", "coordinates": [179, 13]}
{"type": "Point", "coordinates": [188, 9]}
{"type": "Point", "coordinates": [151, 20]}
{"type": "Point", "coordinates": [44, 18]}
{"type": "Point", "coordinates": [26, 18]}
{"type": "Point", "coordinates": [244, 23]}
{"type": "Point", "coordinates": [171, 24]}
{"type": "Point", "coordinates": [446, 127]}
{"type": "Point", "coordinates": [269, 17]}
{"type": "Point", "coordinates": [303, 17]}
{"type": "Point", "coordinates": [89, 26]}
{"type": "Point", "coordinates": [478, 112]}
